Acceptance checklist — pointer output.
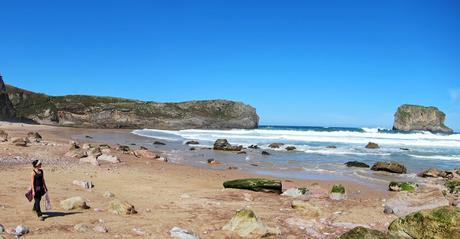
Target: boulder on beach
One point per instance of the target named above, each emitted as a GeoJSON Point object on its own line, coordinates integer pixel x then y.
{"type": "Point", "coordinates": [224, 145]}
{"type": "Point", "coordinates": [74, 203]}
{"type": "Point", "coordinates": [356, 164]}
{"type": "Point", "coordinates": [275, 145]}
{"type": "Point", "coordinates": [192, 142]}
{"type": "Point", "coordinates": [434, 173]}
{"type": "Point", "coordinates": [265, 153]}
{"type": "Point", "coordinates": [158, 143]}
{"type": "Point", "coordinates": [19, 141]}
{"type": "Point", "coordinates": [255, 184]}
{"type": "Point", "coordinates": [108, 158]}
{"type": "Point", "coordinates": [246, 224]}
{"type": "Point", "coordinates": [121, 208]}
{"type": "Point", "coordinates": [290, 148]}
{"type": "Point", "coordinates": [3, 136]}
{"type": "Point", "coordinates": [402, 186]}
{"type": "Point", "coordinates": [143, 153]}
{"type": "Point", "coordinates": [306, 208]}
{"type": "Point", "coordinates": [372, 145]}
{"type": "Point", "coordinates": [34, 137]}
{"type": "Point", "coordinates": [416, 117]}
{"type": "Point", "coordinates": [389, 166]}
{"type": "Point", "coordinates": [179, 233]}
{"type": "Point", "coordinates": [404, 203]}
{"type": "Point", "coordinates": [365, 233]}
{"type": "Point", "coordinates": [439, 223]}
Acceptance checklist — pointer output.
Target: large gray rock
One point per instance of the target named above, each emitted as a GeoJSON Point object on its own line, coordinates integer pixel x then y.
{"type": "Point", "coordinates": [416, 117]}
{"type": "Point", "coordinates": [7, 111]}
{"type": "Point", "coordinates": [109, 112]}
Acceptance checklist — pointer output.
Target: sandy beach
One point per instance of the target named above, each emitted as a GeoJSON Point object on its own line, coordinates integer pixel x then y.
{"type": "Point", "coordinates": [166, 195]}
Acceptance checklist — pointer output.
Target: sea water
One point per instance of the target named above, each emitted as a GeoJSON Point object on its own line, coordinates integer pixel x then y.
{"type": "Point", "coordinates": [313, 159]}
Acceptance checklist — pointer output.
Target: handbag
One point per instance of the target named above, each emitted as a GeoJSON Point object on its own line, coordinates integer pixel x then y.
{"type": "Point", "coordinates": [29, 195]}
{"type": "Point", "coordinates": [47, 202]}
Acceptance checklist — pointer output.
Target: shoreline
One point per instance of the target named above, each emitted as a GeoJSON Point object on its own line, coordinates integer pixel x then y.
{"type": "Point", "coordinates": [167, 195]}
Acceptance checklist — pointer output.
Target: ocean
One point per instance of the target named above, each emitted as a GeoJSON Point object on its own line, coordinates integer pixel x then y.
{"type": "Point", "coordinates": [313, 159]}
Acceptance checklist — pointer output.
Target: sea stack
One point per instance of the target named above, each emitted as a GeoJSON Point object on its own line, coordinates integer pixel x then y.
{"type": "Point", "coordinates": [416, 117]}
{"type": "Point", "coordinates": [6, 107]}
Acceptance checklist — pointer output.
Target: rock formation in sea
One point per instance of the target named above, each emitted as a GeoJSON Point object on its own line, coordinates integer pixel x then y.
{"type": "Point", "coordinates": [7, 111]}
{"type": "Point", "coordinates": [416, 117]}
{"type": "Point", "coordinates": [110, 112]}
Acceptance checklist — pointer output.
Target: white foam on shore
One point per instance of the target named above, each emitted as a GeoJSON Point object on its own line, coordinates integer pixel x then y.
{"type": "Point", "coordinates": [265, 136]}
{"type": "Point", "coordinates": [441, 157]}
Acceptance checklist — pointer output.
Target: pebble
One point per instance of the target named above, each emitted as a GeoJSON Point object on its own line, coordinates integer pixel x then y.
{"type": "Point", "coordinates": [21, 230]}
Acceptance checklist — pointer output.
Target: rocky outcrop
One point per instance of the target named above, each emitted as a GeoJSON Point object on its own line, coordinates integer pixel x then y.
{"type": "Point", "coordinates": [256, 184]}
{"type": "Point", "coordinates": [389, 166]}
{"type": "Point", "coordinates": [7, 111]}
{"type": "Point", "coordinates": [109, 112]}
{"type": "Point", "coordinates": [415, 117]}
{"type": "Point", "coordinates": [441, 223]}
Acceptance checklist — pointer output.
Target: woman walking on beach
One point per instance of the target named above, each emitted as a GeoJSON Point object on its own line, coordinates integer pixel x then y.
{"type": "Point", "coordinates": [38, 187]}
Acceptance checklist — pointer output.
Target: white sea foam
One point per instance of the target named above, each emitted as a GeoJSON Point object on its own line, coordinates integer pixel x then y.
{"type": "Point", "coordinates": [265, 136]}
{"type": "Point", "coordinates": [441, 157]}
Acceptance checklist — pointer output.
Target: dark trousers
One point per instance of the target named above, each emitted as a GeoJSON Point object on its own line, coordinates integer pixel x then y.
{"type": "Point", "coordinates": [38, 198]}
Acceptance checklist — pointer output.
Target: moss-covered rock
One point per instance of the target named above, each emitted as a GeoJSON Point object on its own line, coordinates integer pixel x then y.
{"type": "Point", "coordinates": [416, 117]}
{"type": "Point", "coordinates": [246, 224]}
{"type": "Point", "coordinates": [365, 233]}
{"type": "Point", "coordinates": [389, 166]}
{"type": "Point", "coordinates": [438, 223]}
{"type": "Point", "coordinates": [338, 189]}
{"type": "Point", "coordinates": [453, 186]}
{"type": "Point", "coordinates": [402, 186]}
{"type": "Point", "coordinates": [121, 208]}
{"type": "Point", "coordinates": [255, 184]}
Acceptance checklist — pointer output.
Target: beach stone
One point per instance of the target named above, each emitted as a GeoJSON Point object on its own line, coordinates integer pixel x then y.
{"type": "Point", "coordinates": [81, 228]}
{"type": "Point", "coordinates": [224, 145]}
{"type": "Point", "coordinates": [338, 193]}
{"type": "Point", "coordinates": [265, 153]}
{"type": "Point", "coordinates": [180, 233]}
{"type": "Point", "coordinates": [108, 194]}
{"type": "Point", "coordinates": [433, 173]}
{"type": "Point", "coordinates": [83, 184]}
{"type": "Point", "coordinates": [255, 184]}
{"type": "Point", "coordinates": [21, 230]}
{"type": "Point", "coordinates": [275, 145]}
{"type": "Point", "coordinates": [246, 224]}
{"type": "Point", "coordinates": [121, 208]}
{"type": "Point", "coordinates": [439, 223]}
{"type": "Point", "coordinates": [290, 148]}
{"type": "Point", "coordinates": [142, 153]}
{"type": "Point", "coordinates": [34, 137]}
{"type": "Point", "coordinates": [2, 228]}
{"type": "Point", "coordinates": [422, 198]}
{"type": "Point", "coordinates": [108, 158]}
{"type": "Point", "coordinates": [90, 159]}
{"type": "Point", "coordinates": [100, 228]}
{"type": "Point", "coordinates": [3, 136]}
{"type": "Point", "coordinates": [372, 145]}
{"type": "Point", "coordinates": [123, 148]}
{"type": "Point", "coordinates": [77, 153]}
{"type": "Point", "coordinates": [402, 186]}
{"type": "Point", "coordinates": [253, 146]}
{"type": "Point", "coordinates": [158, 143]}
{"type": "Point", "coordinates": [295, 192]}
{"type": "Point", "coordinates": [74, 203]}
{"type": "Point", "coordinates": [306, 208]}
{"type": "Point", "coordinates": [389, 166]}
{"type": "Point", "coordinates": [356, 164]}
{"type": "Point", "coordinates": [365, 233]}
{"type": "Point", "coordinates": [192, 142]}
{"type": "Point", "coordinates": [213, 162]}
{"type": "Point", "coordinates": [19, 141]}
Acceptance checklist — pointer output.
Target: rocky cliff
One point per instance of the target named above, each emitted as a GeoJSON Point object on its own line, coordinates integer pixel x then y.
{"type": "Point", "coordinates": [6, 108]}
{"type": "Point", "coordinates": [415, 117]}
{"type": "Point", "coordinates": [109, 112]}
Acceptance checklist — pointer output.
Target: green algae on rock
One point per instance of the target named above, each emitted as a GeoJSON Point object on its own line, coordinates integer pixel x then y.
{"type": "Point", "coordinates": [255, 184]}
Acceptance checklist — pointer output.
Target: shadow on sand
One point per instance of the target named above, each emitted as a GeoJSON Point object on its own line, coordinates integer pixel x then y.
{"type": "Point", "coordinates": [58, 214]}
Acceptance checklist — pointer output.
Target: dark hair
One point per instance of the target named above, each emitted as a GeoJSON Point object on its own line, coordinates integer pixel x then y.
{"type": "Point", "coordinates": [34, 163]}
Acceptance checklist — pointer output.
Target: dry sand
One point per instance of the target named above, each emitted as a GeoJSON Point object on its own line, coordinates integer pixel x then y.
{"type": "Point", "coordinates": [165, 195]}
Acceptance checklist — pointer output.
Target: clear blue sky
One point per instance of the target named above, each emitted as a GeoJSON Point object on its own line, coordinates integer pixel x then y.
{"type": "Point", "coordinates": [330, 63]}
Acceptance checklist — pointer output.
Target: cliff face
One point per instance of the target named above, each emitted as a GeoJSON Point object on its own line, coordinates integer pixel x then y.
{"type": "Point", "coordinates": [109, 112]}
{"type": "Point", "coordinates": [6, 108]}
{"type": "Point", "coordinates": [415, 117]}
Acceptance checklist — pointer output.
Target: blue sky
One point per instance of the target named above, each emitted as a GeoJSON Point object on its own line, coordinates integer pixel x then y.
{"type": "Point", "coordinates": [330, 63]}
